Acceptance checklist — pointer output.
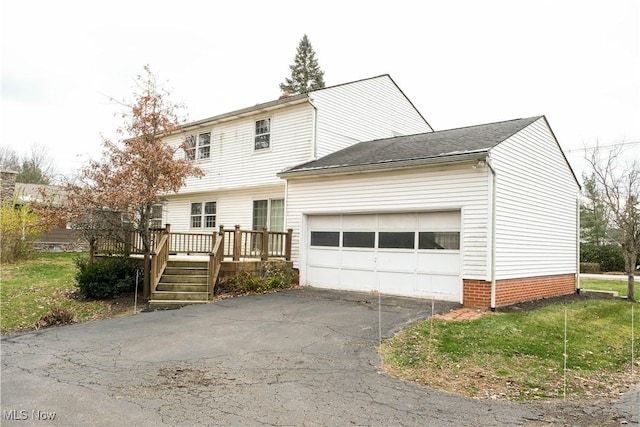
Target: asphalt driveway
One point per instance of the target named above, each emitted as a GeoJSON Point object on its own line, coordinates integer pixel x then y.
{"type": "Point", "coordinates": [300, 357]}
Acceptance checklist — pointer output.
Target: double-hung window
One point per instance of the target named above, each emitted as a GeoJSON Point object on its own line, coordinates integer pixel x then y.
{"type": "Point", "coordinates": [262, 138]}
{"type": "Point", "coordinates": [199, 146]}
{"type": "Point", "coordinates": [203, 215]}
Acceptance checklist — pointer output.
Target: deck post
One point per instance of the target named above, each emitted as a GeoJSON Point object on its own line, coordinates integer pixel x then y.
{"type": "Point", "coordinates": [128, 235]}
{"type": "Point", "coordinates": [237, 243]}
{"type": "Point", "coordinates": [264, 253]}
{"type": "Point", "coordinates": [214, 235]}
{"type": "Point", "coordinates": [287, 251]}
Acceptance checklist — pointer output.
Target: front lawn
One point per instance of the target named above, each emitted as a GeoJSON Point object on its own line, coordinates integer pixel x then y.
{"type": "Point", "coordinates": [519, 355]}
{"type": "Point", "coordinates": [35, 287]}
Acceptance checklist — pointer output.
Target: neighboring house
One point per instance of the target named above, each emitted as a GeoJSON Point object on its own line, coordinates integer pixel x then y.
{"type": "Point", "coordinates": [241, 152]}
{"type": "Point", "coordinates": [485, 215]}
{"type": "Point", "coordinates": [60, 238]}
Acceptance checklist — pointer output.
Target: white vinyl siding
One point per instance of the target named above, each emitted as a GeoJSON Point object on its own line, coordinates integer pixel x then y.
{"type": "Point", "coordinates": [233, 161]}
{"type": "Point", "coordinates": [232, 207]}
{"type": "Point", "coordinates": [429, 189]}
{"type": "Point", "coordinates": [535, 206]}
{"type": "Point", "coordinates": [363, 111]}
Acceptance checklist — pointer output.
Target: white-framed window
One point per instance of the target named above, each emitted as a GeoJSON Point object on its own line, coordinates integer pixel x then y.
{"type": "Point", "coordinates": [156, 216]}
{"type": "Point", "coordinates": [268, 213]}
{"type": "Point", "coordinates": [198, 146]}
{"type": "Point", "coordinates": [203, 214]}
{"type": "Point", "coordinates": [262, 138]}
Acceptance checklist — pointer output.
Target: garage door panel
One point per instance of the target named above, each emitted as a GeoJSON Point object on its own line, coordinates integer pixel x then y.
{"type": "Point", "coordinates": [323, 277]}
{"type": "Point", "coordinates": [396, 261]}
{"type": "Point", "coordinates": [358, 280]}
{"type": "Point", "coordinates": [358, 259]}
{"type": "Point", "coordinates": [438, 263]}
{"type": "Point", "coordinates": [359, 222]}
{"type": "Point", "coordinates": [437, 221]}
{"type": "Point", "coordinates": [325, 223]}
{"type": "Point", "coordinates": [396, 283]}
{"type": "Point", "coordinates": [438, 286]}
{"type": "Point", "coordinates": [396, 222]}
{"type": "Point", "coordinates": [324, 257]}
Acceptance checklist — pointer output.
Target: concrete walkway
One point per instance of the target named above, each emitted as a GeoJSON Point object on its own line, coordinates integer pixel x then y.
{"type": "Point", "coordinates": [607, 277]}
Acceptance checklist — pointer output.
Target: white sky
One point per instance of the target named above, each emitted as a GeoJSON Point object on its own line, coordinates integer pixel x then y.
{"type": "Point", "coordinates": [460, 62]}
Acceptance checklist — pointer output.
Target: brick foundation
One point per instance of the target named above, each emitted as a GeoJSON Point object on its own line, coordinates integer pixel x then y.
{"type": "Point", "coordinates": [477, 293]}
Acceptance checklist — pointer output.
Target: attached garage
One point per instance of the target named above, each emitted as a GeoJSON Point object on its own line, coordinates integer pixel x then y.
{"type": "Point", "coordinates": [484, 215]}
{"type": "Point", "coordinates": [411, 254]}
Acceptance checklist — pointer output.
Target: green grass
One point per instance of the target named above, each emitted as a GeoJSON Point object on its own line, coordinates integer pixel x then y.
{"type": "Point", "coordinates": [520, 355]}
{"type": "Point", "coordinates": [610, 285]}
{"type": "Point", "coordinates": [33, 287]}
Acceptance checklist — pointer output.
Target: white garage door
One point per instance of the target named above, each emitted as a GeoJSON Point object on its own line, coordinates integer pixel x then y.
{"type": "Point", "coordinates": [410, 254]}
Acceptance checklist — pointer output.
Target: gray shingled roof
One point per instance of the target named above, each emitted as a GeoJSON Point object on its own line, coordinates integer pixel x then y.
{"type": "Point", "coordinates": [442, 145]}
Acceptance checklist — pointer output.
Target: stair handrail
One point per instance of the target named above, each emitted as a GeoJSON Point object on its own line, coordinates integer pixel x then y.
{"type": "Point", "coordinates": [159, 260]}
{"type": "Point", "coordinates": [215, 260]}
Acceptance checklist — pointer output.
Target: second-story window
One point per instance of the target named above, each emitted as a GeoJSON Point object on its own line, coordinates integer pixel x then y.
{"type": "Point", "coordinates": [263, 134]}
{"type": "Point", "coordinates": [199, 146]}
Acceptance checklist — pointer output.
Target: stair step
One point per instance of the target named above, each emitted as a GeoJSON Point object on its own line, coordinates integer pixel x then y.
{"type": "Point", "coordinates": [187, 271]}
{"type": "Point", "coordinates": [182, 287]}
{"type": "Point", "coordinates": [178, 278]}
{"type": "Point", "coordinates": [188, 264]}
{"type": "Point", "coordinates": [172, 303]}
{"type": "Point", "coordinates": [180, 296]}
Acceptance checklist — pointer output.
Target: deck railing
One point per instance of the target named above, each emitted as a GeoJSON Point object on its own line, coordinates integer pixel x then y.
{"type": "Point", "coordinates": [237, 244]}
{"type": "Point", "coordinates": [127, 242]}
{"type": "Point", "coordinates": [159, 260]}
{"type": "Point", "coordinates": [215, 260]}
{"type": "Point", "coordinates": [256, 244]}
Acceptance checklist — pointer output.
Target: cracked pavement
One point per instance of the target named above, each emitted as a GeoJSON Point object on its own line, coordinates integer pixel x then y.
{"type": "Point", "coordinates": [299, 357]}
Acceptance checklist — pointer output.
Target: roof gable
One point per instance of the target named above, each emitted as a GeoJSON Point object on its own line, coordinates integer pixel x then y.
{"type": "Point", "coordinates": [281, 103]}
{"type": "Point", "coordinates": [442, 145]}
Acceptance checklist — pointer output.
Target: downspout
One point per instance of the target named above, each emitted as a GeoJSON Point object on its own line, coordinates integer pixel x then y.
{"type": "Point", "coordinates": [314, 124]}
{"type": "Point", "coordinates": [286, 203]}
{"type": "Point", "coordinates": [578, 244]}
{"type": "Point", "coordinates": [493, 233]}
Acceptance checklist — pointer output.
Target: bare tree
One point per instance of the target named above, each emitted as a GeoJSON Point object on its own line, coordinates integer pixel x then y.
{"type": "Point", "coordinates": [593, 213]}
{"type": "Point", "coordinates": [9, 159]}
{"type": "Point", "coordinates": [138, 170]}
{"type": "Point", "coordinates": [34, 167]}
{"type": "Point", "coordinates": [619, 187]}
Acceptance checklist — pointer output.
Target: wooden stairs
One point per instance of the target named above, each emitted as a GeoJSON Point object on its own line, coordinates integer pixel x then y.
{"type": "Point", "coordinates": [182, 283]}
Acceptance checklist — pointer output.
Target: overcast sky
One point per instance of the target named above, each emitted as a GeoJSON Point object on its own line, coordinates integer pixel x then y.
{"type": "Point", "coordinates": [461, 63]}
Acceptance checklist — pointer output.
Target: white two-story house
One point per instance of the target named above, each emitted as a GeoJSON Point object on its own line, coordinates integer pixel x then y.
{"type": "Point", "coordinates": [377, 200]}
{"type": "Point", "coordinates": [241, 152]}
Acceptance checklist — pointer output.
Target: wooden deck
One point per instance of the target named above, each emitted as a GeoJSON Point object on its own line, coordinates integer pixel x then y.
{"type": "Point", "coordinates": [203, 252]}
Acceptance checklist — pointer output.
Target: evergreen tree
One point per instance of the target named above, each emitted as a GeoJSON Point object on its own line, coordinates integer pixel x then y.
{"type": "Point", "coordinates": [306, 74]}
